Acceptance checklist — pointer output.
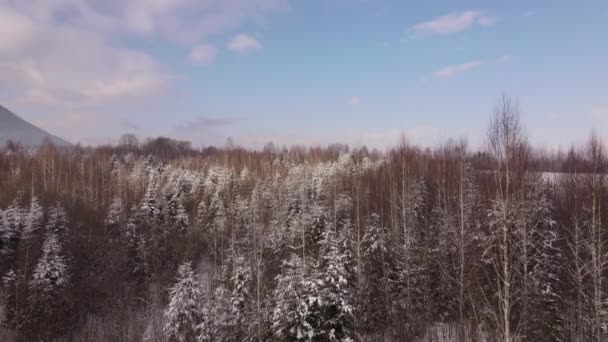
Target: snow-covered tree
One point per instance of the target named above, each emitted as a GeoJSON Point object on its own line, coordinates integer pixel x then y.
{"type": "Point", "coordinates": [11, 228]}
{"type": "Point", "coordinates": [114, 216]}
{"type": "Point", "coordinates": [33, 221]}
{"type": "Point", "coordinates": [51, 271]}
{"type": "Point", "coordinates": [149, 205]}
{"type": "Point", "coordinates": [58, 220]}
{"type": "Point", "coordinates": [228, 315]}
{"type": "Point", "coordinates": [378, 267]}
{"type": "Point", "coordinates": [297, 314]}
{"type": "Point", "coordinates": [137, 245]}
{"type": "Point", "coordinates": [48, 287]}
{"type": "Point", "coordinates": [177, 215]}
{"type": "Point", "coordinates": [183, 313]}
{"type": "Point", "coordinates": [215, 325]}
{"type": "Point", "coordinates": [182, 220]}
{"type": "Point", "coordinates": [336, 270]}
{"type": "Point", "coordinates": [547, 316]}
{"type": "Point", "coordinates": [114, 166]}
{"type": "Point", "coordinates": [9, 297]}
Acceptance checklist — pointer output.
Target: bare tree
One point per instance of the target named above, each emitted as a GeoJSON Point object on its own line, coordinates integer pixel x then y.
{"type": "Point", "coordinates": [505, 142]}
{"type": "Point", "coordinates": [595, 184]}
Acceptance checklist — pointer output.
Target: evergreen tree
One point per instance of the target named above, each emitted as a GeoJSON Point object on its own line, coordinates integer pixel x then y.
{"type": "Point", "coordinates": [136, 245]}
{"type": "Point", "coordinates": [297, 313]}
{"type": "Point", "coordinates": [240, 298]}
{"type": "Point", "coordinates": [33, 222]}
{"type": "Point", "coordinates": [337, 288]}
{"type": "Point", "coordinates": [177, 215]}
{"type": "Point", "coordinates": [114, 166]}
{"type": "Point", "coordinates": [48, 309]}
{"type": "Point", "coordinates": [51, 271]}
{"type": "Point", "coordinates": [378, 267]}
{"type": "Point", "coordinates": [215, 325]}
{"type": "Point", "coordinates": [9, 298]}
{"type": "Point", "coordinates": [149, 205]}
{"type": "Point", "coordinates": [114, 216]}
{"type": "Point", "coordinates": [11, 228]}
{"type": "Point", "coordinates": [546, 308]}
{"type": "Point", "coordinates": [58, 221]}
{"type": "Point", "coordinates": [183, 312]}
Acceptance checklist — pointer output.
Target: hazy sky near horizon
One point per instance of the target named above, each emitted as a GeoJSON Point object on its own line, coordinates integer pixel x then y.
{"type": "Point", "coordinates": [304, 72]}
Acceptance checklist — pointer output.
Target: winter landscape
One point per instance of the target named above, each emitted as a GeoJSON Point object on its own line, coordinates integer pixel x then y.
{"type": "Point", "coordinates": [323, 170]}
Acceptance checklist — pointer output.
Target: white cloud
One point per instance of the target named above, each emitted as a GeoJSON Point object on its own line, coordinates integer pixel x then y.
{"type": "Point", "coordinates": [61, 57]}
{"type": "Point", "coordinates": [15, 30]}
{"type": "Point", "coordinates": [458, 69]}
{"type": "Point", "coordinates": [183, 21]}
{"type": "Point", "coordinates": [453, 23]}
{"type": "Point", "coordinates": [454, 70]}
{"type": "Point", "coordinates": [203, 54]}
{"type": "Point", "coordinates": [243, 43]}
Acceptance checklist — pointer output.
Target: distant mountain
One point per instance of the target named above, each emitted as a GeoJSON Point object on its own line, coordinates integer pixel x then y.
{"type": "Point", "coordinates": [20, 131]}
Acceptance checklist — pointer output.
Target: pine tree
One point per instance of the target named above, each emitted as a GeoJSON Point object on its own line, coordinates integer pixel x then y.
{"type": "Point", "coordinates": [177, 215]}
{"type": "Point", "coordinates": [336, 292]}
{"type": "Point", "coordinates": [51, 271]}
{"type": "Point", "coordinates": [149, 205]}
{"type": "Point", "coordinates": [183, 312]}
{"type": "Point", "coordinates": [297, 313]}
{"type": "Point", "coordinates": [114, 216]}
{"type": "Point", "coordinates": [11, 228]}
{"type": "Point", "coordinates": [9, 298]}
{"type": "Point", "coordinates": [545, 310]}
{"type": "Point", "coordinates": [33, 222]}
{"type": "Point", "coordinates": [58, 221]}
{"type": "Point", "coordinates": [114, 166]}
{"type": "Point", "coordinates": [136, 245]}
{"type": "Point", "coordinates": [48, 303]}
{"type": "Point", "coordinates": [182, 221]}
{"type": "Point", "coordinates": [378, 267]}
{"type": "Point", "coordinates": [240, 300]}
{"type": "Point", "coordinates": [215, 325]}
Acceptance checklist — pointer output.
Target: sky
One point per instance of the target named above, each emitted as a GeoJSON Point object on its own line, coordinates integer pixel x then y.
{"type": "Point", "coordinates": [361, 72]}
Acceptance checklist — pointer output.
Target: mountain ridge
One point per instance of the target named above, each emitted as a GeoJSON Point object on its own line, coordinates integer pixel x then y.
{"type": "Point", "coordinates": [14, 128]}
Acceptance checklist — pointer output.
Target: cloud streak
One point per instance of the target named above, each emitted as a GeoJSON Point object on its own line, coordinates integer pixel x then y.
{"type": "Point", "coordinates": [205, 124]}
{"type": "Point", "coordinates": [455, 70]}
{"type": "Point", "coordinates": [243, 43]}
{"type": "Point", "coordinates": [451, 71]}
{"type": "Point", "coordinates": [453, 23]}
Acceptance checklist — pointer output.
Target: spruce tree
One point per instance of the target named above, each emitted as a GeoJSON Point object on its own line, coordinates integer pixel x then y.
{"type": "Point", "coordinates": [48, 300]}
{"type": "Point", "coordinates": [33, 222]}
{"type": "Point", "coordinates": [9, 298]}
{"type": "Point", "coordinates": [297, 313]}
{"type": "Point", "coordinates": [11, 229]}
{"type": "Point", "coordinates": [337, 288]}
{"type": "Point", "coordinates": [183, 313]}
{"type": "Point", "coordinates": [114, 216]}
{"type": "Point", "coordinates": [240, 298]}
{"type": "Point", "coordinates": [58, 221]}
{"type": "Point", "coordinates": [378, 267]}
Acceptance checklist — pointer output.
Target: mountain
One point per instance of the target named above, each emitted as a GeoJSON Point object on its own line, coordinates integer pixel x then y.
{"type": "Point", "coordinates": [18, 130]}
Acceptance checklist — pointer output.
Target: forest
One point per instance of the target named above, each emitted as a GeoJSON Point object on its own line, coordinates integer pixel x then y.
{"type": "Point", "coordinates": [157, 241]}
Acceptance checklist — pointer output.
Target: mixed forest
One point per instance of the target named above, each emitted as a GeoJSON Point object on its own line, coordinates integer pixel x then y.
{"type": "Point", "coordinates": [157, 241]}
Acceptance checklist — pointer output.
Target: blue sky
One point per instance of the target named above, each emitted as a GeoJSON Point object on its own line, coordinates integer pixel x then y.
{"type": "Point", "coordinates": [309, 72]}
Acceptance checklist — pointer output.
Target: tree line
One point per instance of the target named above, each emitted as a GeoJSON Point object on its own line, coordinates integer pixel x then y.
{"type": "Point", "coordinates": [170, 244]}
